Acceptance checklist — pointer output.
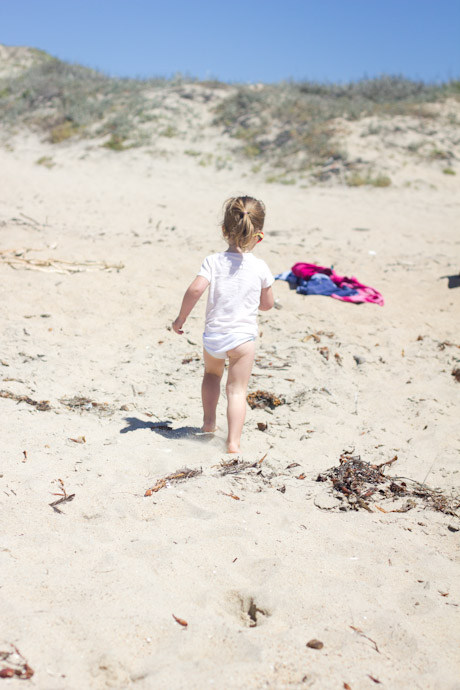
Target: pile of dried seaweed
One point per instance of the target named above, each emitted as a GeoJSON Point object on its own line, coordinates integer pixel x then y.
{"type": "Point", "coordinates": [178, 476]}
{"type": "Point", "coordinates": [262, 399]}
{"type": "Point", "coordinates": [42, 405]}
{"type": "Point", "coordinates": [86, 404]}
{"type": "Point", "coordinates": [359, 483]}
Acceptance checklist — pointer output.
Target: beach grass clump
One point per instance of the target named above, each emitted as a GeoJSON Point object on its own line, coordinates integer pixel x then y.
{"type": "Point", "coordinates": [46, 161]}
{"type": "Point", "coordinates": [115, 143]}
{"type": "Point", "coordinates": [357, 179]}
{"type": "Point", "coordinates": [63, 131]}
{"type": "Point", "coordinates": [449, 171]}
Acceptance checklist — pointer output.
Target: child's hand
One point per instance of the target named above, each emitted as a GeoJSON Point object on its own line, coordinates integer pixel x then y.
{"type": "Point", "coordinates": [177, 326]}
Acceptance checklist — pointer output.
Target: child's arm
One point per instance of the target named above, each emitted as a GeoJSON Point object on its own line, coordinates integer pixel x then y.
{"type": "Point", "coordinates": [191, 297]}
{"type": "Point", "coordinates": [267, 299]}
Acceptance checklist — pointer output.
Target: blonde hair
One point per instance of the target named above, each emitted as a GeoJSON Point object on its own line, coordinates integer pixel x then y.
{"type": "Point", "coordinates": [244, 217]}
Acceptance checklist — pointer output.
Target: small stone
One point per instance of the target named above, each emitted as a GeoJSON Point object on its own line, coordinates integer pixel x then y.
{"type": "Point", "coordinates": [359, 360]}
{"type": "Point", "coordinates": [315, 644]}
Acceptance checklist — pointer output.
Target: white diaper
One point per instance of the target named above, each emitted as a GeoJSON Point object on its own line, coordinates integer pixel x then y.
{"type": "Point", "coordinates": [217, 345]}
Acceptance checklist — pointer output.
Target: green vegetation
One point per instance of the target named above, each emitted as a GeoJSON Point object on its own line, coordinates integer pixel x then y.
{"type": "Point", "coordinates": [170, 131]}
{"type": "Point", "coordinates": [64, 99]}
{"type": "Point", "coordinates": [294, 124]}
{"type": "Point", "coordinates": [280, 179]}
{"type": "Point", "coordinates": [62, 132]}
{"type": "Point", "coordinates": [116, 143]}
{"type": "Point", "coordinates": [47, 161]}
{"type": "Point", "coordinates": [358, 180]}
{"type": "Point", "coordinates": [449, 171]}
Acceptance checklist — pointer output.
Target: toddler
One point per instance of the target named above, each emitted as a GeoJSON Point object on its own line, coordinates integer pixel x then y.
{"type": "Point", "coordinates": [239, 284]}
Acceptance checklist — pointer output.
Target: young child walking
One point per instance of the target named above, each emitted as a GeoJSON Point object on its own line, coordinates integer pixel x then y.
{"type": "Point", "coordinates": [239, 284]}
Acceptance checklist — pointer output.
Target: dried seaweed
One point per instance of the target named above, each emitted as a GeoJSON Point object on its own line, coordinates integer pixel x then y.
{"type": "Point", "coordinates": [13, 664]}
{"type": "Point", "coordinates": [262, 399]}
{"type": "Point", "coordinates": [41, 405]}
{"type": "Point", "coordinates": [359, 483]}
{"type": "Point", "coordinates": [456, 373]}
{"type": "Point", "coordinates": [86, 404]}
{"type": "Point", "coordinates": [174, 478]}
{"type": "Point", "coordinates": [235, 466]}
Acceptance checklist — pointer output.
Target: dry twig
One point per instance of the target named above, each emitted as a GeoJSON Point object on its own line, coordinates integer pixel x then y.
{"type": "Point", "coordinates": [16, 258]}
{"type": "Point", "coordinates": [65, 497]}
{"type": "Point", "coordinates": [175, 477]}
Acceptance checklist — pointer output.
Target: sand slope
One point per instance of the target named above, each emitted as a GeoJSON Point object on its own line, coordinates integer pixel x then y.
{"type": "Point", "coordinates": [88, 595]}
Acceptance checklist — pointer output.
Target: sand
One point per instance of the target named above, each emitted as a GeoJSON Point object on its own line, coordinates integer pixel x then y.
{"type": "Point", "coordinates": [260, 562]}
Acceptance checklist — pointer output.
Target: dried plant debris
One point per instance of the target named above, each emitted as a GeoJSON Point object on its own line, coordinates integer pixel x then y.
{"type": "Point", "coordinates": [181, 621]}
{"type": "Point", "coordinates": [41, 405]}
{"type": "Point", "coordinates": [16, 258]}
{"type": "Point", "coordinates": [235, 465]}
{"type": "Point", "coordinates": [87, 405]}
{"type": "Point", "coordinates": [13, 664]}
{"type": "Point", "coordinates": [174, 478]}
{"type": "Point", "coordinates": [324, 352]}
{"type": "Point", "coordinates": [446, 343]}
{"type": "Point", "coordinates": [64, 497]}
{"type": "Point", "coordinates": [456, 373]}
{"type": "Point", "coordinates": [358, 483]}
{"type": "Point", "coordinates": [262, 399]}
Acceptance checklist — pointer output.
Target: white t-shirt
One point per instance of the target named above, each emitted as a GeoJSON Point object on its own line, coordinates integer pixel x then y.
{"type": "Point", "coordinates": [235, 284]}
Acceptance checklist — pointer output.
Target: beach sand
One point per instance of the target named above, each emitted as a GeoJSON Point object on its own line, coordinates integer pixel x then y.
{"type": "Point", "coordinates": [259, 562]}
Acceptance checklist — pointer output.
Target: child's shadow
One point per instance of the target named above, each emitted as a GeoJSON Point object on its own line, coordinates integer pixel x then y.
{"type": "Point", "coordinates": [163, 429]}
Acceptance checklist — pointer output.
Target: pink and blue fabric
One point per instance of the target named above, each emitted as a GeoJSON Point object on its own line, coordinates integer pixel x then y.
{"type": "Point", "coordinates": [310, 279]}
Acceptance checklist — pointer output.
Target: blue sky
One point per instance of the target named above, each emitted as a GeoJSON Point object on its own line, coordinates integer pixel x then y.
{"type": "Point", "coordinates": [246, 41]}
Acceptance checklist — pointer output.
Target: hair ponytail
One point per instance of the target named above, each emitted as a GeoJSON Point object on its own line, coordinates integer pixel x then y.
{"type": "Point", "coordinates": [244, 217]}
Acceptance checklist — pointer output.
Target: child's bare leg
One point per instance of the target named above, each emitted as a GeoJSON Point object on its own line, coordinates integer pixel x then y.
{"type": "Point", "coordinates": [210, 389]}
{"type": "Point", "coordinates": [241, 359]}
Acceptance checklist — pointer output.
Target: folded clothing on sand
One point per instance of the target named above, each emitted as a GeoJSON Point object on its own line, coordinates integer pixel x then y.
{"type": "Point", "coordinates": [309, 279]}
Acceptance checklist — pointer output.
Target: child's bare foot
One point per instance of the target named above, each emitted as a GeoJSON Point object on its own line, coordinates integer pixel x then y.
{"type": "Point", "coordinates": [233, 448]}
{"type": "Point", "coordinates": [208, 428]}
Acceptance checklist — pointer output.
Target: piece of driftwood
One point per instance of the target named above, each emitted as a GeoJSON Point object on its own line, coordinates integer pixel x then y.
{"type": "Point", "coordinates": [17, 259]}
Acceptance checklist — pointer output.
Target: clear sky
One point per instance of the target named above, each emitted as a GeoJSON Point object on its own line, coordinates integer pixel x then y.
{"type": "Point", "coordinates": [244, 40]}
